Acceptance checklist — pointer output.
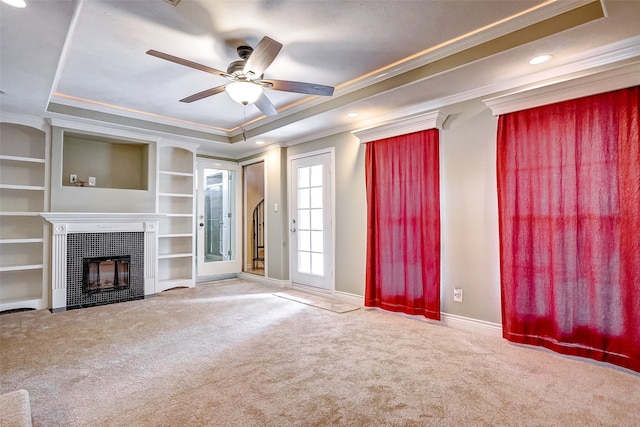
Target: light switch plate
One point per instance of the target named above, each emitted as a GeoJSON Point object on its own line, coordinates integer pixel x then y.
{"type": "Point", "coordinates": [92, 181]}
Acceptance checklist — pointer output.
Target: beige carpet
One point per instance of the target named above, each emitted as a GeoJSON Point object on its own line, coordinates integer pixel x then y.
{"type": "Point", "coordinates": [233, 354]}
{"type": "Point", "coordinates": [317, 301]}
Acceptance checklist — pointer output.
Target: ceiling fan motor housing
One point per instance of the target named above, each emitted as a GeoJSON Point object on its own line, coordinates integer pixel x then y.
{"type": "Point", "coordinates": [244, 52]}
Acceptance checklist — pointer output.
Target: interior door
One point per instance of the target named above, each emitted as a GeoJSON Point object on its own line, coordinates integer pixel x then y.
{"type": "Point", "coordinates": [219, 226]}
{"type": "Point", "coordinates": [311, 222]}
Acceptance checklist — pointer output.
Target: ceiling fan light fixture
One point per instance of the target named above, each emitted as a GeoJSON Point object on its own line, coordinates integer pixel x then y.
{"type": "Point", "coordinates": [244, 92]}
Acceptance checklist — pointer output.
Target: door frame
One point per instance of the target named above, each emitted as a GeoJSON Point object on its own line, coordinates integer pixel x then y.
{"type": "Point", "coordinates": [332, 231]}
{"type": "Point", "coordinates": [218, 267]}
{"type": "Point", "coordinates": [245, 213]}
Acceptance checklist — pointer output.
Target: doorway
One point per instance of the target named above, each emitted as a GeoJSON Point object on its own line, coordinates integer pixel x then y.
{"type": "Point", "coordinates": [311, 221]}
{"type": "Point", "coordinates": [255, 253]}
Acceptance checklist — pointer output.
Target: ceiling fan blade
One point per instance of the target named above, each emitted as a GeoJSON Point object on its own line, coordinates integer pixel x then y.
{"type": "Point", "coordinates": [266, 106]}
{"type": "Point", "coordinates": [185, 62]}
{"type": "Point", "coordinates": [203, 94]}
{"type": "Point", "coordinates": [299, 87]}
{"type": "Point", "coordinates": [262, 56]}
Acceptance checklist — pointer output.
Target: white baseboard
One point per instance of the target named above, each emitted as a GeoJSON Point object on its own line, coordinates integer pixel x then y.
{"type": "Point", "coordinates": [472, 325]}
{"type": "Point", "coordinates": [265, 280]}
{"type": "Point", "coordinates": [349, 298]}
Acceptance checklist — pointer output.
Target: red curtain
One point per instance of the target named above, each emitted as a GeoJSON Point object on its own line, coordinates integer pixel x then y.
{"type": "Point", "coordinates": [403, 224]}
{"type": "Point", "coordinates": [569, 208]}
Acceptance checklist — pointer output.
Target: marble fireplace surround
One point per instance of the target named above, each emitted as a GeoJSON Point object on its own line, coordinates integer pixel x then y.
{"type": "Point", "coordinates": [64, 223]}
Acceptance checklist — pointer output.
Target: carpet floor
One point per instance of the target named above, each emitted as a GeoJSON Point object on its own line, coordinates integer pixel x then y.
{"type": "Point", "coordinates": [232, 353]}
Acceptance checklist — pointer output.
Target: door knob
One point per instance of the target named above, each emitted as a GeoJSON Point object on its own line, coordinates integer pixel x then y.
{"type": "Point", "coordinates": [293, 230]}
{"type": "Point", "coordinates": [202, 224]}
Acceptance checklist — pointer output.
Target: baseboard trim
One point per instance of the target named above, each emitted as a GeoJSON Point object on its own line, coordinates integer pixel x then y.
{"type": "Point", "coordinates": [472, 325]}
{"type": "Point", "coordinates": [349, 298]}
{"type": "Point", "coordinates": [265, 280]}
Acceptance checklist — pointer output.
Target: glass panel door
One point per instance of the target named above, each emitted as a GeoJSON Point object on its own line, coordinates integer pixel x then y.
{"type": "Point", "coordinates": [218, 228]}
{"type": "Point", "coordinates": [311, 222]}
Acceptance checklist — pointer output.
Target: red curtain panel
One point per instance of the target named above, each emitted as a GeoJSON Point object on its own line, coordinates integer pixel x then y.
{"type": "Point", "coordinates": [569, 212]}
{"type": "Point", "coordinates": [403, 229]}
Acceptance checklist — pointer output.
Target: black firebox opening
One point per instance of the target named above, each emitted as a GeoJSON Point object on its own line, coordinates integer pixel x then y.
{"type": "Point", "coordinates": [101, 274]}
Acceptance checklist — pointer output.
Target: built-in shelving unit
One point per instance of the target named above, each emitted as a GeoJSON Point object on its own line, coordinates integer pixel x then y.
{"type": "Point", "coordinates": [24, 151]}
{"type": "Point", "coordinates": [176, 199]}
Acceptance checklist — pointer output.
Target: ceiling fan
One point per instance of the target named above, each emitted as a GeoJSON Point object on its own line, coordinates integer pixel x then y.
{"type": "Point", "coordinates": [247, 84]}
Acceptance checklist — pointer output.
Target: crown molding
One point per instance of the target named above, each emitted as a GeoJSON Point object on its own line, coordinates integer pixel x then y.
{"type": "Point", "coordinates": [431, 120]}
{"type": "Point", "coordinates": [610, 80]}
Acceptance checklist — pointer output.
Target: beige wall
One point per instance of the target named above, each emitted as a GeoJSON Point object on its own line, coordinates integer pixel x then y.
{"type": "Point", "coordinates": [277, 263]}
{"type": "Point", "coordinates": [469, 212]}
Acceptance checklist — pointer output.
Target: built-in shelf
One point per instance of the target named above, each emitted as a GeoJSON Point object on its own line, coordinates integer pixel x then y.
{"type": "Point", "coordinates": [16, 241]}
{"type": "Point", "coordinates": [22, 187]}
{"type": "Point", "coordinates": [176, 199]}
{"type": "Point", "coordinates": [175, 195]}
{"type": "Point", "coordinates": [22, 267]}
{"type": "Point", "coordinates": [22, 159]}
{"type": "Point", "coordinates": [24, 171]}
{"type": "Point", "coordinates": [182, 255]}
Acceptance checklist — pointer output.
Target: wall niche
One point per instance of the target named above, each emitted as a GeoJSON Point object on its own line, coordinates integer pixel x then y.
{"type": "Point", "coordinates": [118, 164]}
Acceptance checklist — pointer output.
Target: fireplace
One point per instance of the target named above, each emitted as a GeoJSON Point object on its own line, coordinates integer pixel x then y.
{"type": "Point", "coordinates": [105, 274]}
{"type": "Point", "coordinates": [104, 268]}
{"type": "Point", "coordinates": [101, 237]}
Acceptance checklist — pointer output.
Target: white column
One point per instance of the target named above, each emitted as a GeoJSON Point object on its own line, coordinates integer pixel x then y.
{"type": "Point", "coordinates": [59, 267]}
{"type": "Point", "coordinates": [150, 257]}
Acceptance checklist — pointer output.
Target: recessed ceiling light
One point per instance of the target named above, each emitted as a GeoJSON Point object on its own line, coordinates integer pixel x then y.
{"type": "Point", "coordinates": [259, 142]}
{"type": "Point", "coordinates": [540, 59]}
{"type": "Point", "coordinates": [15, 3]}
{"type": "Point", "coordinates": [353, 115]}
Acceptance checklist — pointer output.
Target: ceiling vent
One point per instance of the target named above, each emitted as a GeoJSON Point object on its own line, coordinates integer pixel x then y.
{"type": "Point", "coordinates": [173, 2]}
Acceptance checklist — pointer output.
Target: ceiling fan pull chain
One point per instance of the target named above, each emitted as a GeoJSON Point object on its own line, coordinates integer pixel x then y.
{"type": "Point", "coordinates": [244, 131]}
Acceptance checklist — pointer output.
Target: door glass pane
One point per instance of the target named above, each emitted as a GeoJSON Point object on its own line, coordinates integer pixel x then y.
{"type": "Point", "coordinates": [315, 197]}
{"type": "Point", "coordinates": [304, 262]}
{"type": "Point", "coordinates": [303, 198]}
{"type": "Point", "coordinates": [316, 176]}
{"type": "Point", "coordinates": [303, 177]}
{"type": "Point", "coordinates": [316, 241]}
{"type": "Point", "coordinates": [218, 213]}
{"type": "Point", "coordinates": [317, 264]}
{"type": "Point", "coordinates": [304, 240]}
{"type": "Point", "coordinates": [304, 219]}
{"type": "Point", "coordinates": [316, 219]}
{"type": "Point", "coordinates": [310, 220]}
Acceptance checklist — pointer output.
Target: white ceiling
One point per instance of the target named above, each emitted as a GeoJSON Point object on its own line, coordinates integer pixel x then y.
{"type": "Point", "coordinates": [86, 59]}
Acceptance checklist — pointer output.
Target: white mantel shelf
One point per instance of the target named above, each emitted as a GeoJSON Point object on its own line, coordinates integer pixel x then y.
{"type": "Point", "coordinates": [65, 223]}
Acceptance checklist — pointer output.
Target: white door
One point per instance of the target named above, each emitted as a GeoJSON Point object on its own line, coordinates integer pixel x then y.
{"type": "Point", "coordinates": [219, 223]}
{"type": "Point", "coordinates": [311, 222]}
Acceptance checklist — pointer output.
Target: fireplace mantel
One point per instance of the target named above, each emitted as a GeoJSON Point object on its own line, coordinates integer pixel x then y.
{"type": "Point", "coordinates": [95, 222]}
{"type": "Point", "coordinates": [65, 223]}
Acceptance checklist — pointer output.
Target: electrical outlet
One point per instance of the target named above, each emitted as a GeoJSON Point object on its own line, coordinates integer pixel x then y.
{"type": "Point", "coordinates": [92, 181]}
{"type": "Point", "coordinates": [457, 294]}
{"type": "Point", "coordinates": [73, 178]}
